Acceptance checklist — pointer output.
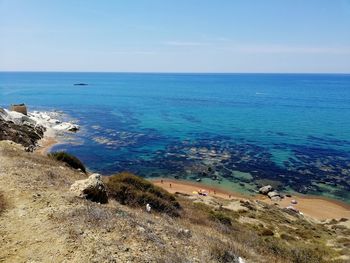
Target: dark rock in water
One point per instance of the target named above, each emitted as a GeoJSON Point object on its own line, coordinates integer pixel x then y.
{"type": "Point", "coordinates": [73, 129]}
{"type": "Point", "coordinates": [25, 135]}
{"type": "Point", "coordinates": [265, 189]}
{"type": "Point", "coordinates": [21, 108]}
{"type": "Point", "coordinates": [80, 84]}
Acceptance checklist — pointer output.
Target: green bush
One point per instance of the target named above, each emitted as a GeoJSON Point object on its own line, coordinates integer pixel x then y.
{"type": "Point", "coordinates": [221, 217]}
{"type": "Point", "coordinates": [129, 189]}
{"type": "Point", "coordinates": [69, 159]}
{"type": "Point", "coordinates": [266, 232]}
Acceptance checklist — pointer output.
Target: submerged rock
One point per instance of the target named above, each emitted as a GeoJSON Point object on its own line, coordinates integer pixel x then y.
{"type": "Point", "coordinates": [273, 194]}
{"type": "Point", "coordinates": [91, 188]}
{"type": "Point", "coordinates": [265, 189]}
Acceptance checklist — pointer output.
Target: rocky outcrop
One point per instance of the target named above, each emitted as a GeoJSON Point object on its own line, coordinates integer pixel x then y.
{"type": "Point", "coordinates": [270, 192]}
{"type": "Point", "coordinates": [25, 134]}
{"type": "Point", "coordinates": [265, 189]}
{"type": "Point", "coordinates": [91, 188]}
{"type": "Point", "coordinates": [28, 129]}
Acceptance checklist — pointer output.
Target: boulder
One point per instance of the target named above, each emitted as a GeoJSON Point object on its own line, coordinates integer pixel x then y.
{"type": "Point", "coordinates": [276, 198]}
{"type": "Point", "coordinates": [91, 188]}
{"type": "Point", "coordinates": [273, 194]}
{"type": "Point", "coordinates": [265, 189]}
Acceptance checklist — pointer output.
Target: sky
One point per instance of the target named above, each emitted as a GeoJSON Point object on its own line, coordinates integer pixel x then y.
{"type": "Point", "coordinates": [291, 36]}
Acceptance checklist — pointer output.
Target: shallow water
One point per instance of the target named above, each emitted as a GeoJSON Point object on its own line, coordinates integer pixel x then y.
{"type": "Point", "coordinates": [291, 129]}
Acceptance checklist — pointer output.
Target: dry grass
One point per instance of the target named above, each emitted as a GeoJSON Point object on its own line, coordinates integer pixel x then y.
{"type": "Point", "coordinates": [307, 244]}
{"type": "Point", "coordinates": [2, 203]}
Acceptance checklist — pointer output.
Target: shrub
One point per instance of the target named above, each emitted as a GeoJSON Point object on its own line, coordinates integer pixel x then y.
{"type": "Point", "coordinates": [221, 217]}
{"type": "Point", "coordinates": [129, 189]}
{"type": "Point", "coordinates": [296, 252]}
{"type": "Point", "coordinates": [287, 237]}
{"type": "Point", "coordinates": [266, 232]}
{"type": "Point", "coordinates": [223, 252]}
{"type": "Point", "coordinates": [69, 159]}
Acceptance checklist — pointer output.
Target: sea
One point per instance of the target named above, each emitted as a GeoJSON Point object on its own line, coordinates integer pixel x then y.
{"type": "Point", "coordinates": [234, 131]}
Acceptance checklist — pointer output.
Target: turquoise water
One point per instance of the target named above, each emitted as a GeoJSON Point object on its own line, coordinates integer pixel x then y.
{"type": "Point", "coordinates": [291, 129]}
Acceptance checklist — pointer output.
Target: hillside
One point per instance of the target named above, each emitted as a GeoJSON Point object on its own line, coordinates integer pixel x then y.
{"type": "Point", "coordinates": [43, 221]}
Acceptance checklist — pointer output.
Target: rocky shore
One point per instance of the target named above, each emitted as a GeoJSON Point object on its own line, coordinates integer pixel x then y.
{"type": "Point", "coordinates": [27, 128]}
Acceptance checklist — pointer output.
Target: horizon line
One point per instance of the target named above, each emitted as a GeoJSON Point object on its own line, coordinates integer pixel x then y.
{"type": "Point", "coordinates": [173, 72]}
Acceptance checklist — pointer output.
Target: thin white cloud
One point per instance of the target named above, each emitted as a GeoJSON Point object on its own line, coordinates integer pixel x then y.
{"type": "Point", "coordinates": [291, 49]}
{"type": "Point", "coordinates": [225, 44]}
{"type": "Point", "coordinates": [186, 43]}
{"type": "Point", "coordinates": [133, 52]}
{"type": "Point", "coordinates": [280, 49]}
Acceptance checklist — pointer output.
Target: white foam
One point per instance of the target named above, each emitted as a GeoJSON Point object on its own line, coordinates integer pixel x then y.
{"type": "Point", "coordinates": [46, 119]}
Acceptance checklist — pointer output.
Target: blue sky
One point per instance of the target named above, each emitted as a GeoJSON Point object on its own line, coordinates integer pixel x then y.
{"type": "Point", "coordinates": [175, 36]}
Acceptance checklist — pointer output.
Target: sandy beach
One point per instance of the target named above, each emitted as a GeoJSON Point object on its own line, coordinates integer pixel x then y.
{"type": "Point", "coordinates": [316, 207]}
{"type": "Point", "coordinates": [46, 144]}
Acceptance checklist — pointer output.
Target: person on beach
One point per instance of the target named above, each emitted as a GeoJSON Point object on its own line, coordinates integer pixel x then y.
{"type": "Point", "coordinates": [170, 185]}
{"type": "Point", "coordinates": [161, 181]}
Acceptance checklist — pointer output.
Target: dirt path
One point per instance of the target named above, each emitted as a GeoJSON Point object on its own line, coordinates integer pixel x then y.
{"type": "Point", "coordinates": [28, 212]}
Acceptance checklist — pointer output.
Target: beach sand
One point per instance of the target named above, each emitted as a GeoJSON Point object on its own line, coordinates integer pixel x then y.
{"type": "Point", "coordinates": [46, 144]}
{"type": "Point", "coordinates": [316, 207]}
{"type": "Point", "coordinates": [186, 187]}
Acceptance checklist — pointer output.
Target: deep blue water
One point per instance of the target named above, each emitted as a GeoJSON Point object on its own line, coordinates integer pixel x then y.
{"type": "Point", "coordinates": [292, 129]}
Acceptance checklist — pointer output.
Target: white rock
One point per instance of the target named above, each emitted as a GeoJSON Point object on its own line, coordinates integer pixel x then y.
{"type": "Point", "coordinates": [91, 188]}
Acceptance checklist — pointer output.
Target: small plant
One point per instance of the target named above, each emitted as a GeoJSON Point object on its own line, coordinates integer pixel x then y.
{"type": "Point", "coordinates": [287, 237]}
{"type": "Point", "coordinates": [129, 189]}
{"type": "Point", "coordinates": [223, 252]}
{"type": "Point", "coordinates": [266, 232]}
{"type": "Point", "coordinates": [220, 217]}
{"type": "Point", "coordinates": [69, 159]}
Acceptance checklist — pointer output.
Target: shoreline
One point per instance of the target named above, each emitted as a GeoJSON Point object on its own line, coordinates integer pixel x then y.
{"type": "Point", "coordinates": [320, 208]}
{"type": "Point", "coordinates": [45, 145]}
